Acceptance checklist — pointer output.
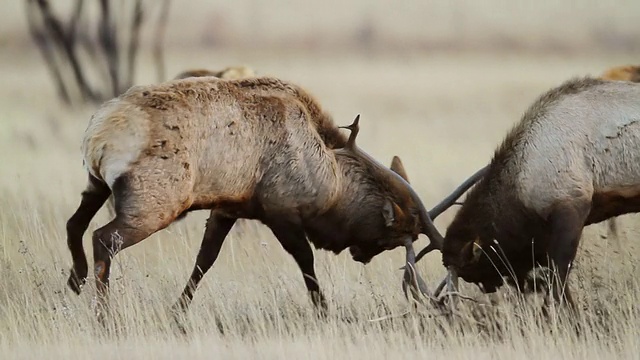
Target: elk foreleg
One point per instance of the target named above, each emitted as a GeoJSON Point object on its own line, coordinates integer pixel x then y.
{"type": "Point", "coordinates": [567, 222]}
{"type": "Point", "coordinates": [294, 241]}
{"type": "Point", "coordinates": [216, 230]}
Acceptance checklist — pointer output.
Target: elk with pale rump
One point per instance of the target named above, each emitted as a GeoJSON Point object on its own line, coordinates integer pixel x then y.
{"type": "Point", "coordinates": [243, 152]}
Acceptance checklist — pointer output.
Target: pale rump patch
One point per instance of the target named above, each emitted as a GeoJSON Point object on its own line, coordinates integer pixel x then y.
{"type": "Point", "coordinates": [114, 139]}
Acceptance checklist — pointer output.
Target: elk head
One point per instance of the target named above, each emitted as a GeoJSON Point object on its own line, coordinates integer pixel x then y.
{"type": "Point", "coordinates": [403, 214]}
{"type": "Point", "coordinates": [470, 257]}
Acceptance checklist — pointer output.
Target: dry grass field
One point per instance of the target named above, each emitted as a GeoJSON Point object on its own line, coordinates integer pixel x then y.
{"type": "Point", "coordinates": [442, 113]}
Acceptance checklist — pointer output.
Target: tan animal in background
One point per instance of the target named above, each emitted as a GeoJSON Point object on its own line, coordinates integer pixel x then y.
{"type": "Point", "coordinates": [622, 73]}
{"type": "Point", "coordinates": [204, 143]}
{"type": "Point", "coordinates": [228, 73]}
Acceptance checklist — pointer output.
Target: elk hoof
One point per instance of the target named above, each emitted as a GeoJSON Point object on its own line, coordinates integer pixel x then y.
{"type": "Point", "coordinates": [76, 282]}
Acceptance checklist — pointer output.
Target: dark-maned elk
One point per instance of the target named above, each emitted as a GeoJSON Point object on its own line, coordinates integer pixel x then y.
{"type": "Point", "coordinates": [572, 160]}
{"type": "Point", "coordinates": [204, 143]}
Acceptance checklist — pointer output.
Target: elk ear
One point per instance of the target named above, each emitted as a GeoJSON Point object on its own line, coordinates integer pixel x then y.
{"type": "Point", "coordinates": [398, 168]}
{"type": "Point", "coordinates": [476, 252]}
{"type": "Point", "coordinates": [392, 213]}
{"type": "Point", "coordinates": [472, 251]}
{"type": "Point", "coordinates": [388, 213]}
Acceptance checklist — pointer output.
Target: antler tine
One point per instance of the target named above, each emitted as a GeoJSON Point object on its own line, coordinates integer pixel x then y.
{"type": "Point", "coordinates": [431, 247]}
{"type": "Point", "coordinates": [411, 278]}
{"type": "Point", "coordinates": [451, 284]}
{"type": "Point", "coordinates": [355, 128]}
{"type": "Point", "coordinates": [440, 287]}
{"type": "Point", "coordinates": [447, 203]}
{"type": "Point", "coordinates": [453, 197]}
{"type": "Point", "coordinates": [426, 250]}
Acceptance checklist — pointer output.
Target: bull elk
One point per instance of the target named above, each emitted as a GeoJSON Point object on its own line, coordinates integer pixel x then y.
{"type": "Point", "coordinates": [572, 160]}
{"type": "Point", "coordinates": [242, 151]}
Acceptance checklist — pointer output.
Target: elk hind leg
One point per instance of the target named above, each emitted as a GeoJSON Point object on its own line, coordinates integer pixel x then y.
{"type": "Point", "coordinates": [93, 197]}
{"type": "Point", "coordinates": [137, 217]}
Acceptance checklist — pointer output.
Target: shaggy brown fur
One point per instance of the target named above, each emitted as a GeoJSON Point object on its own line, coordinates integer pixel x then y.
{"type": "Point", "coordinates": [321, 119]}
{"type": "Point", "coordinates": [324, 122]}
{"type": "Point", "coordinates": [228, 73]}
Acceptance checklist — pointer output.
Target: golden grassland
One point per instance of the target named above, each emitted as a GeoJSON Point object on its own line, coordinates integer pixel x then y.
{"type": "Point", "coordinates": [443, 114]}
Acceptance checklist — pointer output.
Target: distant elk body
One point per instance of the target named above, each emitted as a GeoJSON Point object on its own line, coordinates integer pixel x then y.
{"type": "Point", "coordinates": [228, 73]}
{"type": "Point", "coordinates": [622, 73]}
{"type": "Point", "coordinates": [242, 151]}
{"type": "Point", "coordinates": [572, 160]}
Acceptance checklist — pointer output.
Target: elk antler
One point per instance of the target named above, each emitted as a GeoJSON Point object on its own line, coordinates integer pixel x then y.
{"type": "Point", "coordinates": [437, 241]}
{"type": "Point", "coordinates": [447, 203]}
{"type": "Point", "coordinates": [411, 277]}
{"type": "Point", "coordinates": [451, 280]}
{"type": "Point", "coordinates": [455, 195]}
{"type": "Point", "coordinates": [355, 128]}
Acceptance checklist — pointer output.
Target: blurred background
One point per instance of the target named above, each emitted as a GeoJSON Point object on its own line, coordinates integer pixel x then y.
{"type": "Point", "coordinates": [412, 25]}
{"type": "Point", "coordinates": [438, 83]}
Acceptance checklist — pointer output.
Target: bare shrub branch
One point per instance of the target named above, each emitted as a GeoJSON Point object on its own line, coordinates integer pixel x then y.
{"type": "Point", "coordinates": [79, 48]}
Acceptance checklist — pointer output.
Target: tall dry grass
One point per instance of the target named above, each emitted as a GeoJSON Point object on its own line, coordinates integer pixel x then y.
{"type": "Point", "coordinates": [443, 115]}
